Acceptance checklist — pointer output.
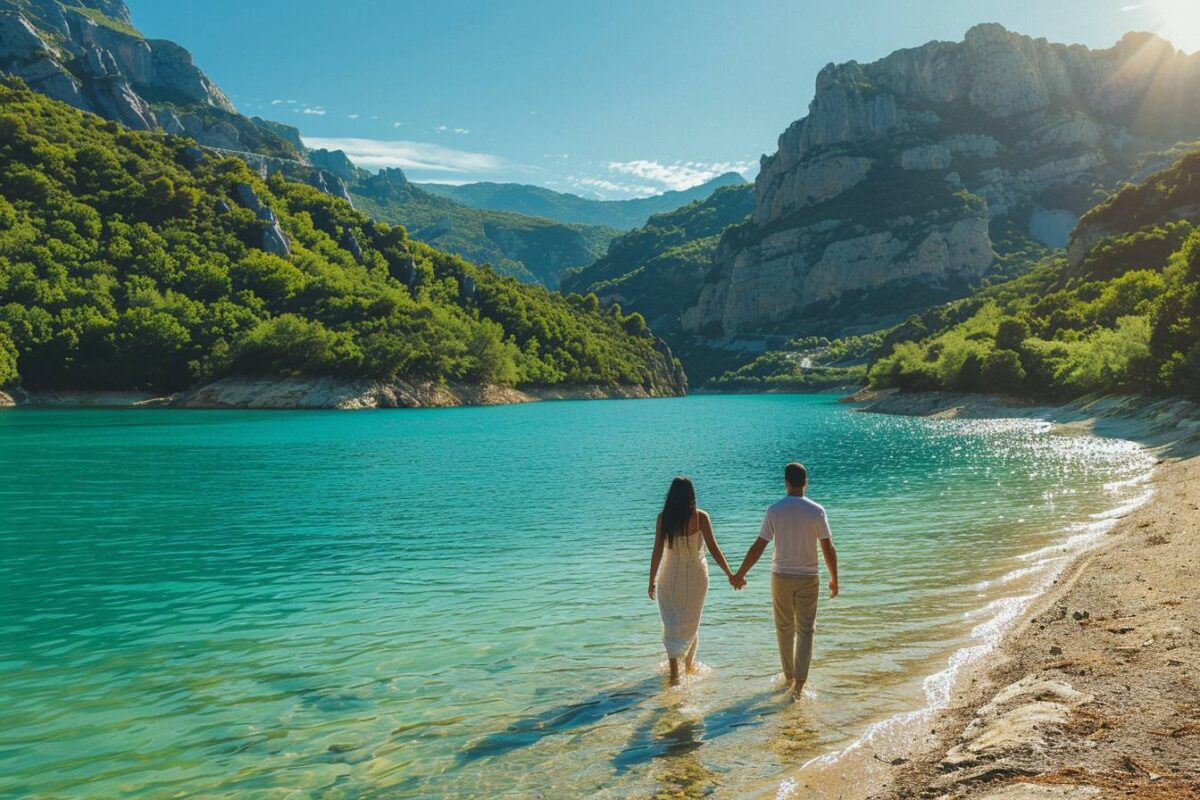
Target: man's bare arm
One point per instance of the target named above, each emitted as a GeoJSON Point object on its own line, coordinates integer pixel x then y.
{"type": "Point", "coordinates": [752, 555]}
{"type": "Point", "coordinates": [830, 564]}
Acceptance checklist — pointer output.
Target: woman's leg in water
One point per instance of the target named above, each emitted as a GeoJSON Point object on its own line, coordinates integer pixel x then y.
{"type": "Point", "coordinates": [674, 662]}
{"type": "Point", "coordinates": [689, 659]}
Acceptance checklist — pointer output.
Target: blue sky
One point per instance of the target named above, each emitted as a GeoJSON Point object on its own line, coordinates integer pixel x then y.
{"type": "Point", "coordinates": [613, 98]}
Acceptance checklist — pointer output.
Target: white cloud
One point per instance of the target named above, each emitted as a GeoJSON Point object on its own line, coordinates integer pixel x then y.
{"type": "Point", "coordinates": [605, 188]}
{"type": "Point", "coordinates": [353, 116]}
{"type": "Point", "coordinates": [445, 129]}
{"type": "Point", "coordinates": [378, 153]}
{"type": "Point", "coordinates": [1132, 7]}
{"type": "Point", "coordinates": [449, 181]}
{"type": "Point", "coordinates": [397, 124]}
{"type": "Point", "coordinates": [680, 175]}
{"type": "Point", "coordinates": [276, 102]}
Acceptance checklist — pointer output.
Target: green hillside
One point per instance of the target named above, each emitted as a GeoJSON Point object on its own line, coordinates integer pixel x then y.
{"type": "Point", "coordinates": [132, 260]}
{"type": "Point", "coordinates": [564, 207]}
{"type": "Point", "coordinates": [1122, 316]}
{"type": "Point", "coordinates": [533, 249]}
{"type": "Point", "coordinates": [658, 269]}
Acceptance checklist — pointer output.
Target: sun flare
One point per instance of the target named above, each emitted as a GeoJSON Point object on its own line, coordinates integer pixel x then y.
{"type": "Point", "coordinates": [1177, 21]}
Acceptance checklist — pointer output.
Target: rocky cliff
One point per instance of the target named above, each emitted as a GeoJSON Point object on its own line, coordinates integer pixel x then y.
{"type": "Point", "coordinates": [657, 270]}
{"type": "Point", "coordinates": [888, 191]}
{"type": "Point", "coordinates": [87, 53]}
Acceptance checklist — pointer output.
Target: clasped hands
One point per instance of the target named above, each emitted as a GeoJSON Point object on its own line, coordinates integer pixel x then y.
{"type": "Point", "coordinates": [737, 581]}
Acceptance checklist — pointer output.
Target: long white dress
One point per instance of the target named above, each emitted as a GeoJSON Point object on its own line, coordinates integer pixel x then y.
{"type": "Point", "coordinates": [681, 586]}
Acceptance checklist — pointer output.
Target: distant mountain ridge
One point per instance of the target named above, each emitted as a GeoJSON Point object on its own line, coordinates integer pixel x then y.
{"type": "Point", "coordinates": [564, 207]}
{"type": "Point", "coordinates": [533, 249]}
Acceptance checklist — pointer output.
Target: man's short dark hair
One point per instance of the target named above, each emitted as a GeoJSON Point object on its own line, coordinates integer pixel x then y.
{"type": "Point", "coordinates": [795, 474]}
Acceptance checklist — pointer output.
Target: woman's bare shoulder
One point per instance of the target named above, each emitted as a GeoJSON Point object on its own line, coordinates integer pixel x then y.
{"type": "Point", "coordinates": [702, 514]}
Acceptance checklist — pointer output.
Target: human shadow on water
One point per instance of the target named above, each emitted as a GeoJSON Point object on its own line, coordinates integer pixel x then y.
{"type": "Point", "coordinates": [570, 716]}
{"type": "Point", "coordinates": [669, 732]}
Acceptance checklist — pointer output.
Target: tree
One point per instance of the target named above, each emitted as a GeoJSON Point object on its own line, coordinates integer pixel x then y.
{"type": "Point", "coordinates": [1011, 333]}
{"type": "Point", "coordinates": [1002, 372]}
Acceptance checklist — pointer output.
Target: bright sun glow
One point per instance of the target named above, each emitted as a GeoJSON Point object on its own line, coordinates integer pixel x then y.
{"type": "Point", "coordinates": [1177, 21]}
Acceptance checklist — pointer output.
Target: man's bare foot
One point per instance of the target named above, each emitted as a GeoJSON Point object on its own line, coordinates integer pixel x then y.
{"type": "Point", "coordinates": [690, 668]}
{"type": "Point", "coordinates": [798, 688]}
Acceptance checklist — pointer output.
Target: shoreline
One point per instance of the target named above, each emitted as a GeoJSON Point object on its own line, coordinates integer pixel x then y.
{"type": "Point", "coordinates": [1067, 703]}
{"type": "Point", "coordinates": [288, 393]}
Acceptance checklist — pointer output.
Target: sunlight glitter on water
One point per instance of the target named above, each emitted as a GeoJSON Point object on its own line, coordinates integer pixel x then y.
{"type": "Point", "coordinates": [452, 603]}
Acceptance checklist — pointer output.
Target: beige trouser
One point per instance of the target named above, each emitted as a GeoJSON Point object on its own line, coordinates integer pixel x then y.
{"type": "Point", "coordinates": [795, 599]}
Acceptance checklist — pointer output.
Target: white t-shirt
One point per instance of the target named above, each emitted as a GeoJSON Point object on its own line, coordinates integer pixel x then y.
{"type": "Point", "coordinates": [795, 524]}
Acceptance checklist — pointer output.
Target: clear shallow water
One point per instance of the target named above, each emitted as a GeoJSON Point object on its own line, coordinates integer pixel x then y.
{"type": "Point", "coordinates": [451, 603]}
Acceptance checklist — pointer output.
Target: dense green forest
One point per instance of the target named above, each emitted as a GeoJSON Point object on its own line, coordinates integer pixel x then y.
{"type": "Point", "coordinates": [1124, 316]}
{"type": "Point", "coordinates": [135, 260]}
{"type": "Point", "coordinates": [659, 268]}
{"type": "Point", "coordinates": [533, 249]}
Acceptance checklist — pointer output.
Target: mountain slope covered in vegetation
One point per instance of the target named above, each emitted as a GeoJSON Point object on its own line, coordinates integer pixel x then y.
{"type": "Point", "coordinates": [534, 249]}
{"type": "Point", "coordinates": [131, 259]}
{"type": "Point", "coordinates": [564, 207]}
{"type": "Point", "coordinates": [658, 269]}
{"type": "Point", "coordinates": [1122, 314]}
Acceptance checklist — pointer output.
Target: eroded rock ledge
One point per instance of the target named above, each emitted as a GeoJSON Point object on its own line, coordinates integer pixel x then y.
{"type": "Point", "coordinates": [322, 393]}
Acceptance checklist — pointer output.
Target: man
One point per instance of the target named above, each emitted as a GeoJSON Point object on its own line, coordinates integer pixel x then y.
{"type": "Point", "coordinates": [795, 524]}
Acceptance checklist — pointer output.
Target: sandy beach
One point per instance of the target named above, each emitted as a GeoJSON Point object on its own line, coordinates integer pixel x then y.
{"type": "Point", "coordinates": [1095, 691]}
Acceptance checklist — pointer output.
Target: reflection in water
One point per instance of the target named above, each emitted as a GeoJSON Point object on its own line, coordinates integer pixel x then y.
{"type": "Point", "coordinates": [672, 737]}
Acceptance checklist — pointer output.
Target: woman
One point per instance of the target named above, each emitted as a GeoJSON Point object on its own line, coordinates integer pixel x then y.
{"type": "Point", "coordinates": [680, 535]}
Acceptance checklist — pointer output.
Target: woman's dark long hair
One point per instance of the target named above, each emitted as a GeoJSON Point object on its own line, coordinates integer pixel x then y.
{"type": "Point", "coordinates": [678, 509]}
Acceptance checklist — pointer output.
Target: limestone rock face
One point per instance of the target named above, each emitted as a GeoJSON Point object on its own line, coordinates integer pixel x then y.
{"type": "Point", "coordinates": [172, 70]}
{"type": "Point", "coordinates": [19, 41]}
{"type": "Point", "coordinates": [274, 240]}
{"type": "Point", "coordinates": [107, 68]}
{"type": "Point", "coordinates": [350, 243]}
{"type": "Point", "coordinates": [812, 183]}
{"type": "Point", "coordinates": [335, 162]}
{"type": "Point", "coordinates": [24, 53]}
{"type": "Point", "coordinates": [901, 167]}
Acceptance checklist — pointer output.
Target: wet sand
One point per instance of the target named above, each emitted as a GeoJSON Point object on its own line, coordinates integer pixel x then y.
{"type": "Point", "coordinates": [1095, 691]}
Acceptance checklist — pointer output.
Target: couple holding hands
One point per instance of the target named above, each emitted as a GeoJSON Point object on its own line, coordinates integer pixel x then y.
{"type": "Point", "coordinates": [679, 571]}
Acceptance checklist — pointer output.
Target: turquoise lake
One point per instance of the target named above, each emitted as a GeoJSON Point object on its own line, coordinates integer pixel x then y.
{"type": "Point", "coordinates": [451, 603]}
